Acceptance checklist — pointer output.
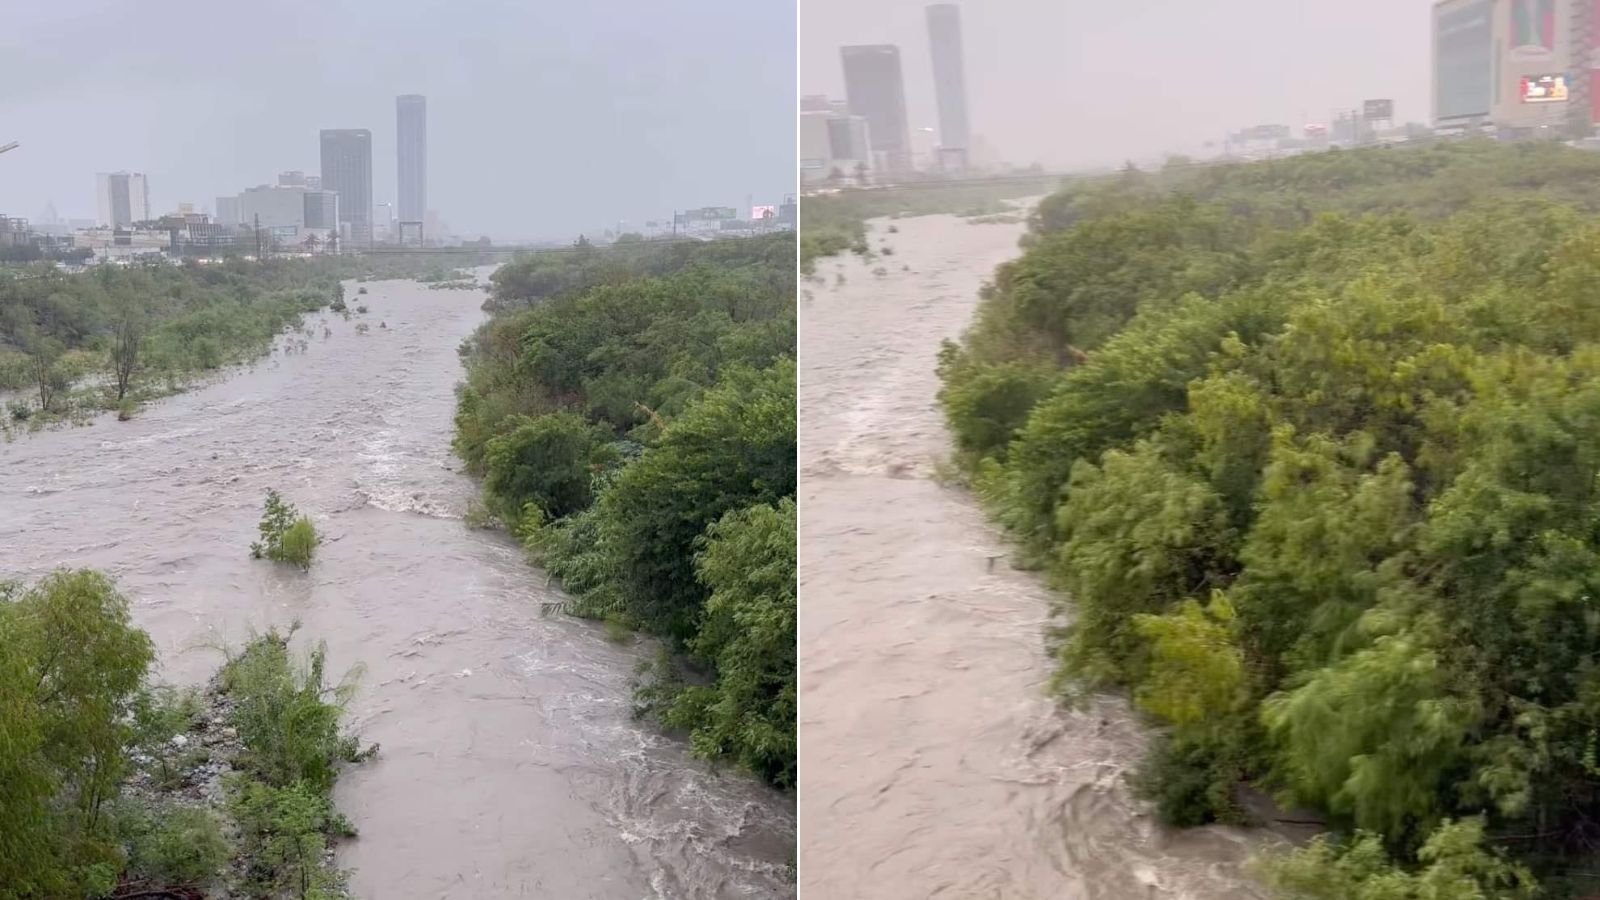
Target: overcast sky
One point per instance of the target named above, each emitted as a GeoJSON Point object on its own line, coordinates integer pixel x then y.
{"type": "Point", "coordinates": [1075, 82]}
{"type": "Point", "coordinates": [544, 118]}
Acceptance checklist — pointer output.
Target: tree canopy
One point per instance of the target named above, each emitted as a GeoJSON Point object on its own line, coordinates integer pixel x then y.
{"type": "Point", "coordinates": [1312, 446]}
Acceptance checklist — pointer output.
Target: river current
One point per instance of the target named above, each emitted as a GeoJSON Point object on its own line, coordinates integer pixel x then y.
{"type": "Point", "coordinates": [933, 763]}
{"type": "Point", "coordinates": [510, 765]}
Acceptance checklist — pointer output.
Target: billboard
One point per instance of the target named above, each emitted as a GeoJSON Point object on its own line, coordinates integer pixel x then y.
{"type": "Point", "coordinates": [1463, 59]}
{"type": "Point", "coordinates": [1544, 88]}
{"type": "Point", "coordinates": [763, 212]}
{"type": "Point", "coordinates": [1378, 109]}
{"type": "Point", "coordinates": [1533, 29]}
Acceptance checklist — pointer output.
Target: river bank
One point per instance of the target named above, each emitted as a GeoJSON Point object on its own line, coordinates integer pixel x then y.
{"type": "Point", "coordinates": [510, 765]}
{"type": "Point", "coordinates": [935, 763]}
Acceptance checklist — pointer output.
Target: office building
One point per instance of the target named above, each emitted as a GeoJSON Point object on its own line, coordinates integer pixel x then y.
{"type": "Point", "coordinates": [347, 170]}
{"type": "Point", "coordinates": [1521, 66]}
{"type": "Point", "coordinates": [816, 158]}
{"type": "Point", "coordinates": [270, 207]}
{"type": "Point", "coordinates": [124, 198]}
{"type": "Point", "coordinates": [849, 140]}
{"type": "Point", "coordinates": [949, 81]}
{"type": "Point", "coordinates": [322, 210]}
{"type": "Point", "coordinates": [292, 179]}
{"type": "Point", "coordinates": [875, 88]}
{"type": "Point", "coordinates": [411, 143]}
{"type": "Point", "coordinates": [227, 210]}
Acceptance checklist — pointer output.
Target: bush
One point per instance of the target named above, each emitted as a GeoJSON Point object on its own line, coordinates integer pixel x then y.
{"type": "Point", "coordinates": [172, 844]}
{"type": "Point", "coordinates": [286, 536]}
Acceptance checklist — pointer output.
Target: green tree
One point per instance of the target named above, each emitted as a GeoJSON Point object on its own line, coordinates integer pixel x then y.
{"type": "Point", "coordinates": [748, 635]}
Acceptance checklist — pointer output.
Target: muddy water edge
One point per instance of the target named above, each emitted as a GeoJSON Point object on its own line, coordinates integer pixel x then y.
{"type": "Point", "coordinates": [510, 765]}
{"type": "Point", "coordinates": [934, 763]}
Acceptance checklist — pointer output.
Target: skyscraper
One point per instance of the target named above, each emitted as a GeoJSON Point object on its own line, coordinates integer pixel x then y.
{"type": "Point", "coordinates": [876, 89]}
{"type": "Point", "coordinates": [411, 132]}
{"type": "Point", "coordinates": [347, 170]}
{"type": "Point", "coordinates": [949, 81]}
{"type": "Point", "coordinates": [124, 198]}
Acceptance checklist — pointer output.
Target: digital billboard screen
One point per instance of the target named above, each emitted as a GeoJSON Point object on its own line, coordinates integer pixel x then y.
{"type": "Point", "coordinates": [1544, 88]}
{"type": "Point", "coordinates": [1378, 109]}
{"type": "Point", "coordinates": [1463, 59]}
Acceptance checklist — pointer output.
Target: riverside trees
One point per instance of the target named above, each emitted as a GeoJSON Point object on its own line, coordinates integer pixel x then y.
{"type": "Point", "coordinates": [632, 411]}
{"type": "Point", "coordinates": [1311, 445]}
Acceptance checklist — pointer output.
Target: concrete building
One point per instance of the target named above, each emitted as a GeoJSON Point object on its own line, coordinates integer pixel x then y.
{"type": "Point", "coordinates": [949, 83]}
{"type": "Point", "coordinates": [1524, 67]}
{"type": "Point", "coordinates": [124, 198]}
{"type": "Point", "coordinates": [321, 210]}
{"type": "Point", "coordinates": [876, 90]}
{"type": "Point", "coordinates": [411, 143]}
{"type": "Point", "coordinates": [347, 170]}
{"type": "Point", "coordinates": [816, 155]}
{"type": "Point", "coordinates": [227, 210]}
{"type": "Point", "coordinates": [295, 178]}
{"type": "Point", "coordinates": [281, 210]}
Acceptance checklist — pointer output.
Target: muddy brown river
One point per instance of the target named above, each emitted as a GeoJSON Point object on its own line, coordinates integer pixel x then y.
{"type": "Point", "coordinates": [932, 762]}
{"type": "Point", "coordinates": [510, 766]}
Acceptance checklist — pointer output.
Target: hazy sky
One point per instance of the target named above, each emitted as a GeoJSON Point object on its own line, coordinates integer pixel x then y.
{"type": "Point", "coordinates": [1073, 82]}
{"type": "Point", "coordinates": [545, 117]}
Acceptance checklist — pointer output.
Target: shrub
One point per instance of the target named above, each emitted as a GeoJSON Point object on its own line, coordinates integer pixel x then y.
{"type": "Point", "coordinates": [169, 843]}
{"type": "Point", "coordinates": [286, 536]}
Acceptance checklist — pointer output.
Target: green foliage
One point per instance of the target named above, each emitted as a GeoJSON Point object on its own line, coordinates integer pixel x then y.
{"type": "Point", "coordinates": [288, 718]}
{"type": "Point", "coordinates": [288, 715]}
{"type": "Point", "coordinates": [546, 461]}
{"type": "Point", "coordinates": [1313, 446]}
{"type": "Point", "coordinates": [1453, 865]}
{"type": "Point", "coordinates": [619, 404]}
{"type": "Point", "coordinates": [748, 634]}
{"type": "Point", "coordinates": [72, 668]}
{"type": "Point", "coordinates": [145, 326]}
{"type": "Point", "coordinates": [169, 843]}
{"type": "Point", "coordinates": [286, 536]}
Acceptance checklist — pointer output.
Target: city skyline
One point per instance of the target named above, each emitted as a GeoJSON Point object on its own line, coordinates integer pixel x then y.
{"type": "Point", "coordinates": [543, 119]}
{"type": "Point", "coordinates": [1054, 84]}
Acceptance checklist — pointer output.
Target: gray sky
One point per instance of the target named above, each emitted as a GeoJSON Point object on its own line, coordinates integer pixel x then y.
{"type": "Point", "coordinates": [1076, 82]}
{"type": "Point", "coordinates": [544, 118]}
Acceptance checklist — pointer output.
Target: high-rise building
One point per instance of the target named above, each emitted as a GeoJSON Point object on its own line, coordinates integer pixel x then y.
{"type": "Point", "coordinates": [347, 170]}
{"type": "Point", "coordinates": [322, 209]}
{"type": "Point", "coordinates": [949, 80]}
{"type": "Point", "coordinates": [876, 91]}
{"type": "Point", "coordinates": [411, 133]}
{"type": "Point", "coordinates": [277, 208]}
{"type": "Point", "coordinates": [124, 198]}
{"type": "Point", "coordinates": [228, 210]}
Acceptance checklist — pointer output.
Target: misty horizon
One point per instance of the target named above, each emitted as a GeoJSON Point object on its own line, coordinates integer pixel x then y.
{"type": "Point", "coordinates": [542, 122]}
{"type": "Point", "coordinates": [1057, 84]}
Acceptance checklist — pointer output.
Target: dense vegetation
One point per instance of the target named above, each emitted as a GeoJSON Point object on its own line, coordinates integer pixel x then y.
{"type": "Point", "coordinates": [632, 413]}
{"type": "Point", "coordinates": [102, 772]}
{"type": "Point", "coordinates": [835, 222]}
{"type": "Point", "coordinates": [1313, 446]}
{"type": "Point", "coordinates": [73, 343]}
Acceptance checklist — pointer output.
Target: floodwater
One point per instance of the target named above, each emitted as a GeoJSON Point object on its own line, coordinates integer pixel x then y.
{"type": "Point", "coordinates": [932, 762]}
{"type": "Point", "coordinates": [510, 766]}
